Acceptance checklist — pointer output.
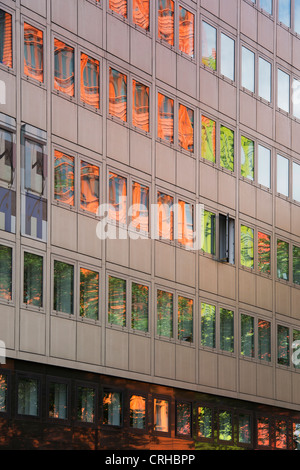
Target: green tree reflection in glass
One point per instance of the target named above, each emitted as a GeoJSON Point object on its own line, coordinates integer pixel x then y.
{"type": "Point", "coordinates": [33, 279]}
{"type": "Point", "coordinates": [183, 419]}
{"type": "Point", "coordinates": [296, 339]}
{"type": "Point", "coordinates": [264, 253]}
{"type": "Point", "coordinates": [225, 426]}
{"type": "Point", "coordinates": [208, 325]}
{"type": "Point", "coordinates": [226, 330]}
{"type": "Point", "coordinates": [3, 393]}
{"type": "Point", "coordinates": [247, 335]}
{"type": "Point", "coordinates": [227, 148]}
{"type": "Point", "coordinates": [247, 158]}
{"type": "Point", "coordinates": [283, 345]}
{"type": "Point", "coordinates": [282, 260]}
{"type": "Point", "coordinates": [116, 301]}
{"type": "Point", "coordinates": [185, 319]}
{"type": "Point", "coordinates": [89, 293]}
{"type": "Point", "coordinates": [5, 272]}
{"type": "Point", "coordinates": [63, 287]}
{"type": "Point", "coordinates": [247, 246]}
{"type": "Point", "coordinates": [205, 420]}
{"type": "Point", "coordinates": [164, 314]}
{"type": "Point", "coordinates": [139, 307]}
{"type": "Point", "coordinates": [208, 232]}
{"type": "Point", "coordinates": [296, 265]}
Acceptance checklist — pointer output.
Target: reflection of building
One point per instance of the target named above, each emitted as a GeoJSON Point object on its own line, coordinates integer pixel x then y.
{"type": "Point", "coordinates": [146, 342]}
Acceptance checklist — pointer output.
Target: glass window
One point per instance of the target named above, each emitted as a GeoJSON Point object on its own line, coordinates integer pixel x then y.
{"type": "Point", "coordinates": [165, 216]}
{"type": "Point", "coordinates": [263, 431]}
{"type": "Point", "coordinates": [186, 31]}
{"type": "Point", "coordinates": [137, 412]}
{"type": "Point", "coordinates": [33, 52]}
{"type": "Point", "coordinates": [282, 175]}
{"type": "Point", "coordinates": [247, 335]}
{"type": "Point", "coordinates": [208, 325]}
{"type": "Point", "coordinates": [112, 408]}
{"type": "Point", "coordinates": [64, 72]}
{"type": "Point", "coordinates": [209, 46]}
{"type": "Point", "coordinates": [117, 198]}
{"type": "Point", "coordinates": [245, 431]}
{"type": "Point", "coordinates": [140, 207]}
{"type": "Point", "coordinates": [264, 166]}
{"type": "Point", "coordinates": [116, 301]}
{"type": "Point", "coordinates": [296, 265]}
{"type": "Point", "coordinates": [264, 79]}
{"type": "Point", "coordinates": [139, 307]}
{"type": "Point", "coordinates": [34, 167]}
{"type": "Point", "coordinates": [297, 16]}
{"type": "Point", "coordinates": [164, 314]}
{"type": "Point", "coordinates": [33, 279]}
{"type": "Point", "coordinates": [183, 419]}
{"type": "Point", "coordinates": [295, 345]}
{"type": "Point", "coordinates": [89, 87]}
{"type": "Point", "coordinates": [296, 182]}
{"type": "Point", "coordinates": [3, 393]}
{"type": "Point", "coordinates": [58, 400]}
{"type": "Point", "coordinates": [166, 21]}
{"type": "Point", "coordinates": [64, 175]}
{"type": "Point", "coordinates": [185, 223]}
{"type": "Point", "coordinates": [283, 345]}
{"type": "Point", "coordinates": [226, 330]}
{"type": "Point", "coordinates": [5, 272]}
{"type": "Point", "coordinates": [89, 293]}
{"type": "Point", "coordinates": [208, 232]}
{"type": "Point", "coordinates": [247, 158]}
{"type": "Point", "coordinates": [6, 156]}
{"type": "Point", "coordinates": [280, 434]}
{"type": "Point", "coordinates": [283, 91]}
{"type": "Point", "coordinates": [225, 426]}
{"type": "Point", "coordinates": [117, 94]}
{"type": "Point", "coordinates": [28, 391]}
{"type": "Point", "coordinates": [296, 98]}
{"type": "Point", "coordinates": [226, 148]}
{"type": "Point", "coordinates": [247, 246]}
{"type": "Point", "coordinates": [140, 105]}
{"type": "Point", "coordinates": [5, 38]}
{"type": "Point", "coordinates": [266, 5]}
{"type": "Point", "coordinates": [86, 404]}
{"type": "Point", "coordinates": [227, 57]}
{"type": "Point", "coordinates": [165, 125]}
{"type": "Point", "coordinates": [284, 12]}
{"type": "Point", "coordinates": [264, 340]}
{"type": "Point", "coordinates": [264, 252]}
{"type": "Point", "coordinates": [282, 260]}
{"type": "Point", "coordinates": [208, 139]}
{"type": "Point", "coordinates": [89, 187]}
{"type": "Point", "coordinates": [140, 13]}
{"type": "Point", "coordinates": [248, 69]}
{"type": "Point", "coordinates": [186, 128]}
{"type": "Point", "coordinates": [63, 287]}
{"type": "Point", "coordinates": [161, 415]}
{"type": "Point", "coordinates": [119, 6]}
{"type": "Point", "coordinates": [185, 319]}
{"type": "Point", "coordinates": [205, 422]}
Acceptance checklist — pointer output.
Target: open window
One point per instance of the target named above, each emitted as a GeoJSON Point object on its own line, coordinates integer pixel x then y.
{"type": "Point", "coordinates": [226, 239]}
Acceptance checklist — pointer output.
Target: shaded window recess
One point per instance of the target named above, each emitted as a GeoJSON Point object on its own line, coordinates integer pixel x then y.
{"type": "Point", "coordinates": [226, 239]}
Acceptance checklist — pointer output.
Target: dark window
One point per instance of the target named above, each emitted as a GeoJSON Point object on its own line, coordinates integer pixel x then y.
{"type": "Point", "coordinates": [33, 279]}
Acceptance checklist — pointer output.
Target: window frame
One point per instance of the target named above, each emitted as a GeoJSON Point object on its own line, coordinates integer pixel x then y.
{"type": "Point", "coordinates": [146, 283]}
{"type": "Point", "coordinates": [12, 301]}
{"type": "Point", "coordinates": [94, 56]}
{"type": "Point", "coordinates": [68, 262]}
{"type": "Point", "coordinates": [40, 27]}
{"type": "Point", "coordinates": [42, 254]}
{"type": "Point", "coordinates": [184, 401]}
{"type": "Point", "coordinates": [226, 409]}
{"type": "Point", "coordinates": [136, 392]}
{"type": "Point", "coordinates": [11, 12]}
{"type": "Point", "coordinates": [59, 380]}
{"type": "Point", "coordinates": [249, 413]}
{"type": "Point", "coordinates": [74, 156]}
{"type": "Point", "coordinates": [131, 179]}
{"type": "Point", "coordinates": [96, 270]}
{"type": "Point", "coordinates": [8, 124]}
{"type": "Point", "coordinates": [94, 386]}
{"type": "Point", "coordinates": [169, 143]}
{"type": "Point", "coordinates": [187, 296]}
{"type": "Point", "coordinates": [243, 356]}
{"type": "Point", "coordinates": [168, 290]}
{"type": "Point", "coordinates": [8, 374]}
{"type": "Point", "coordinates": [214, 428]}
{"type": "Point", "coordinates": [106, 388]}
{"type": "Point", "coordinates": [82, 158]}
{"type": "Point", "coordinates": [31, 376]}
{"type": "Point", "coordinates": [68, 42]}
{"type": "Point", "coordinates": [259, 416]}
{"type": "Point", "coordinates": [168, 400]}
{"type": "Point", "coordinates": [122, 277]}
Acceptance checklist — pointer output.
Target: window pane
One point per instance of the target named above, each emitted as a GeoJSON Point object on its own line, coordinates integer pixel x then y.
{"type": "Point", "coordinates": [139, 307]}
{"type": "Point", "coordinates": [282, 175]}
{"type": "Point", "coordinates": [185, 223]}
{"type": "Point", "coordinates": [34, 167]}
{"type": "Point", "coordinates": [86, 404]}
{"type": "Point", "coordinates": [183, 419]}
{"type": "Point", "coordinates": [33, 52]}
{"type": "Point", "coordinates": [295, 346]}
{"type": "Point", "coordinates": [227, 56]}
{"type": "Point", "coordinates": [227, 148]}
{"type": "Point", "coordinates": [33, 279]}
{"type": "Point", "coordinates": [247, 336]}
{"type": "Point", "coordinates": [5, 272]}
{"type": "Point", "coordinates": [281, 434]}
{"type": "Point", "coordinates": [89, 89]}
{"type": "Point", "coordinates": [247, 246]}
{"type": "Point", "coordinates": [296, 265]}
{"type": "Point", "coordinates": [112, 408]}
{"type": "Point", "coordinates": [28, 397]}
{"type": "Point", "coordinates": [89, 187]}
{"type": "Point", "coordinates": [263, 432]}
{"type": "Point", "coordinates": [140, 105]}
{"type": "Point", "coordinates": [266, 5]}
{"type": "Point", "coordinates": [164, 314]}
{"type": "Point", "coordinates": [116, 301]}
{"type": "Point", "coordinates": [209, 46]}
{"type": "Point", "coordinates": [186, 31]}
{"type": "Point", "coordinates": [208, 139]}
{"type": "Point", "coordinates": [283, 345]}
{"type": "Point", "coordinates": [208, 325]}
{"type": "Point", "coordinates": [119, 6]}
{"type": "Point", "coordinates": [58, 400]}
{"type": "Point", "coordinates": [3, 393]}
{"type": "Point", "coordinates": [284, 12]}
{"type": "Point", "coordinates": [186, 128]}
{"type": "Point", "coordinates": [226, 330]}
{"type": "Point", "coordinates": [64, 75]}
{"type": "Point", "coordinates": [63, 287]}
{"type": "Point", "coordinates": [208, 232]}
{"type": "Point", "coordinates": [247, 158]}
{"type": "Point", "coordinates": [140, 207]}
{"type": "Point", "coordinates": [117, 198]}
{"type": "Point", "coordinates": [296, 98]}
{"type": "Point", "coordinates": [264, 340]}
{"type": "Point", "coordinates": [283, 96]}
{"type": "Point", "coordinates": [161, 415]}
{"type": "Point", "coordinates": [117, 94]}
{"type": "Point", "coordinates": [297, 16]}
{"type": "Point", "coordinates": [296, 182]}
{"type": "Point", "coordinates": [205, 422]}
{"type": "Point", "coordinates": [264, 81]}
{"type": "Point", "coordinates": [89, 293]}
{"type": "Point", "coordinates": [140, 13]}
{"type": "Point", "coordinates": [165, 216]}
{"type": "Point", "coordinates": [137, 412]}
{"type": "Point", "coordinates": [185, 319]}
{"type": "Point", "coordinates": [225, 426]}
{"type": "Point", "coordinates": [6, 154]}
{"type": "Point", "coordinates": [245, 432]}
{"type": "Point", "coordinates": [64, 170]}
{"type": "Point", "coordinates": [282, 260]}
{"type": "Point", "coordinates": [264, 166]}
{"type": "Point", "coordinates": [166, 21]}
{"type": "Point", "coordinates": [248, 69]}
{"type": "Point", "coordinates": [165, 125]}
{"type": "Point", "coordinates": [5, 38]}
{"type": "Point", "coordinates": [264, 252]}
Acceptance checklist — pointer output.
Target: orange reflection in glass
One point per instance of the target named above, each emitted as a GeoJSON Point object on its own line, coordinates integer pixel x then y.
{"type": "Point", "coordinates": [64, 68]}
{"type": "Point", "coordinates": [186, 31]}
{"type": "Point", "coordinates": [161, 415]}
{"type": "Point", "coordinates": [165, 216]}
{"type": "Point", "coordinates": [140, 13]}
{"type": "Point", "coordinates": [117, 198]}
{"type": "Point", "coordinates": [6, 38]}
{"type": "Point", "coordinates": [281, 434]}
{"type": "Point", "coordinates": [186, 128]}
{"type": "Point", "coordinates": [263, 432]}
{"type": "Point", "coordinates": [166, 21]}
{"type": "Point", "coordinates": [140, 209]}
{"type": "Point", "coordinates": [89, 85]}
{"type": "Point", "coordinates": [117, 94]}
{"type": "Point", "coordinates": [89, 179]}
{"type": "Point", "coordinates": [33, 52]}
{"type": "Point", "coordinates": [185, 223]}
{"type": "Point", "coordinates": [119, 6]}
{"type": "Point", "coordinates": [140, 106]}
{"type": "Point", "coordinates": [208, 139]}
{"type": "Point", "coordinates": [165, 125]}
{"type": "Point", "coordinates": [137, 412]}
{"type": "Point", "coordinates": [63, 178]}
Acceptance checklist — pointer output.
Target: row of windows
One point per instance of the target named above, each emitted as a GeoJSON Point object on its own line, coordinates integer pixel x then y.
{"type": "Point", "coordinates": [136, 411]}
